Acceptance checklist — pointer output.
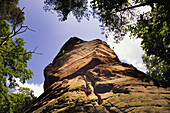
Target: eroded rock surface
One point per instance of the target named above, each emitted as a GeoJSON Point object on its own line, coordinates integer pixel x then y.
{"type": "Point", "coordinates": [88, 77]}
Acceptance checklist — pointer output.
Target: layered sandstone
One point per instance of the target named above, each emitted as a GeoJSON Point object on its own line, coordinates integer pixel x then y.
{"type": "Point", "coordinates": [88, 77]}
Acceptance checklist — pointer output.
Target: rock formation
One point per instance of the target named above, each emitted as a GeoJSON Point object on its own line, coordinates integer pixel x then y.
{"type": "Point", "coordinates": [88, 77]}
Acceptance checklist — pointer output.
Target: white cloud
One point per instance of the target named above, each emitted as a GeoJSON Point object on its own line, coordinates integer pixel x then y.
{"type": "Point", "coordinates": [37, 88]}
{"type": "Point", "coordinates": [129, 51]}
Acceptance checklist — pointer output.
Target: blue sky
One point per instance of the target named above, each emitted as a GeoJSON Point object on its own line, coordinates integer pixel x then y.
{"type": "Point", "coordinates": [51, 34]}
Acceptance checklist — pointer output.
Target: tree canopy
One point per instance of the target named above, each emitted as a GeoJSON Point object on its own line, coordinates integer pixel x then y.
{"type": "Point", "coordinates": [14, 16]}
{"type": "Point", "coordinates": [154, 29]}
{"type": "Point", "coordinates": [11, 13]}
{"type": "Point", "coordinates": [17, 102]}
{"type": "Point", "coordinates": [117, 18]}
{"type": "Point", "coordinates": [13, 58]}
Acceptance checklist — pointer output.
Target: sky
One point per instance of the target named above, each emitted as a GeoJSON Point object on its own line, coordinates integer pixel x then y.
{"type": "Point", "coordinates": [50, 34]}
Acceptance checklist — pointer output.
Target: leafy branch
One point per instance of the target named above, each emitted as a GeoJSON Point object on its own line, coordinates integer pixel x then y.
{"type": "Point", "coordinates": [21, 53]}
{"type": "Point", "coordinates": [15, 32]}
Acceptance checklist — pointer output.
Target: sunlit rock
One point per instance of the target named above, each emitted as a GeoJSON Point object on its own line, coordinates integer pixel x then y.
{"type": "Point", "coordinates": [88, 77]}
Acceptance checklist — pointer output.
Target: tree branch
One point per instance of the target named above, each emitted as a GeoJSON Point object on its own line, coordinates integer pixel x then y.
{"type": "Point", "coordinates": [132, 7]}
{"type": "Point", "coordinates": [15, 32]}
{"type": "Point", "coordinates": [21, 53]}
{"type": "Point", "coordinates": [148, 2]}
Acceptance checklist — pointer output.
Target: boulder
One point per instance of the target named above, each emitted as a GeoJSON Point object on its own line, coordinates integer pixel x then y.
{"type": "Point", "coordinates": [88, 77]}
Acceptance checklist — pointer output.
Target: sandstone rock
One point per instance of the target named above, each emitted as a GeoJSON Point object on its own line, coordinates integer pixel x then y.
{"type": "Point", "coordinates": [88, 77]}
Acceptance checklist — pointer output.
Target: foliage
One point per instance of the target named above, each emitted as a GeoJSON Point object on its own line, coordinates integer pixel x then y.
{"type": "Point", "coordinates": [17, 102]}
{"type": "Point", "coordinates": [104, 10]}
{"type": "Point", "coordinates": [11, 13]}
{"type": "Point", "coordinates": [4, 28]}
{"type": "Point", "coordinates": [110, 15]}
{"type": "Point", "coordinates": [155, 32]}
{"type": "Point", "coordinates": [157, 69]}
{"type": "Point", "coordinates": [64, 7]}
{"type": "Point", "coordinates": [13, 58]}
{"type": "Point", "coordinates": [115, 15]}
{"type": "Point", "coordinates": [13, 64]}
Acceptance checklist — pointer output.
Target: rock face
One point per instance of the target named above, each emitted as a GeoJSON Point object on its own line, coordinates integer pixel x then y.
{"type": "Point", "coordinates": [88, 77]}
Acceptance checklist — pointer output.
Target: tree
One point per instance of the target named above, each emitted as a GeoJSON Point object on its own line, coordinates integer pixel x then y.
{"type": "Point", "coordinates": [13, 64]}
{"type": "Point", "coordinates": [64, 7]}
{"type": "Point", "coordinates": [13, 58]}
{"type": "Point", "coordinates": [116, 15]}
{"type": "Point", "coordinates": [18, 102]}
{"type": "Point", "coordinates": [12, 14]}
{"type": "Point", "coordinates": [157, 69]}
{"type": "Point", "coordinates": [155, 32]}
{"type": "Point", "coordinates": [13, 55]}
